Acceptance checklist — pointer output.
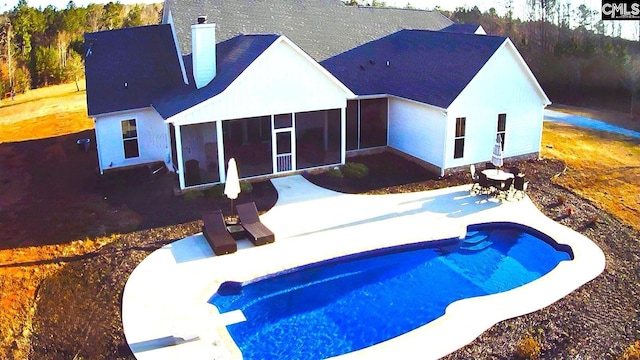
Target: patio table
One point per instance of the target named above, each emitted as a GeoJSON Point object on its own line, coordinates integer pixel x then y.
{"type": "Point", "coordinates": [497, 175]}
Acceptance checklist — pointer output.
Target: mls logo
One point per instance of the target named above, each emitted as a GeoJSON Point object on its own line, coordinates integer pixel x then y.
{"type": "Point", "coordinates": [621, 10]}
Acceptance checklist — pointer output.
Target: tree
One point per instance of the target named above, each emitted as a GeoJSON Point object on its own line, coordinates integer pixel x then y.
{"type": "Point", "coordinates": [47, 68]}
{"type": "Point", "coordinates": [26, 21]}
{"type": "Point", "coordinates": [74, 69]}
{"type": "Point", "coordinates": [112, 16]}
{"type": "Point", "coordinates": [134, 17]}
{"type": "Point", "coordinates": [631, 78]}
{"type": "Point", "coordinates": [585, 16]}
{"type": "Point", "coordinates": [93, 18]}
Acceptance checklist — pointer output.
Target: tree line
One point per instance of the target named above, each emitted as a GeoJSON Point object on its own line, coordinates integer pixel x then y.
{"type": "Point", "coordinates": [41, 47]}
{"type": "Point", "coordinates": [578, 58]}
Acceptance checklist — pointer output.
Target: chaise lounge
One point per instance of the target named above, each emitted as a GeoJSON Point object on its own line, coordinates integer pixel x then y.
{"type": "Point", "coordinates": [257, 232]}
{"type": "Point", "coordinates": [215, 231]}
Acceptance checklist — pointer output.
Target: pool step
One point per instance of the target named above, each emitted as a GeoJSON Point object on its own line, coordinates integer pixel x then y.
{"type": "Point", "coordinates": [474, 239]}
{"type": "Point", "coordinates": [479, 246]}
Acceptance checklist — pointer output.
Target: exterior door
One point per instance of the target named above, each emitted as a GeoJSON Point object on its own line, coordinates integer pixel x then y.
{"type": "Point", "coordinates": [284, 143]}
{"type": "Point", "coordinates": [283, 151]}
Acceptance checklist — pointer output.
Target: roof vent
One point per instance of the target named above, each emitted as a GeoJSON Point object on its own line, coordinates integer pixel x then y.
{"type": "Point", "coordinates": [202, 19]}
{"type": "Point", "coordinates": [388, 63]}
{"type": "Point", "coordinates": [371, 62]}
{"type": "Point", "coordinates": [361, 67]}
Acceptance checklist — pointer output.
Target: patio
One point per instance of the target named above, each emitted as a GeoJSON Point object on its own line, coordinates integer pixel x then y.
{"type": "Point", "coordinates": [165, 297]}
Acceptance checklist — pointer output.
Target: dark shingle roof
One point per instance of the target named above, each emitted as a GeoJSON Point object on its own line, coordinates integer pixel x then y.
{"type": "Point", "coordinates": [431, 67]}
{"type": "Point", "coordinates": [143, 58]}
{"type": "Point", "coordinates": [233, 57]}
{"type": "Point", "coordinates": [322, 28]}
{"type": "Point", "coordinates": [462, 28]}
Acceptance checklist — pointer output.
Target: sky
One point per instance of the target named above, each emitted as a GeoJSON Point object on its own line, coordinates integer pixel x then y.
{"type": "Point", "coordinates": [629, 27]}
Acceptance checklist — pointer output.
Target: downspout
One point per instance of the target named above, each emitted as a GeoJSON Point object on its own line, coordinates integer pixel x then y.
{"type": "Point", "coordinates": [221, 165]}
{"type": "Point", "coordinates": [180, 164]}
{"type": "Point", "coordinates": [446, 141]}
{"type": "Point", "coordinates": [95, 126]}
{"type": "Point", "coordinates": [343, 136]}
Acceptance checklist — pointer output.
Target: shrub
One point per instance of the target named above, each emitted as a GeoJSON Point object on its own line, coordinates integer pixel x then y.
{"type": "Point", "coordinates": [335, 173]}
{"type": "Point", "coordinates": [528, 348]}
{"type": "Point", "coordinates": [215, 192]}
{"type": "Point", "coordinates": [355, 170]}
{"type": "Point", "coordinates": [246, 187]}
{"type": "Point", "coordinates": [632, 352]}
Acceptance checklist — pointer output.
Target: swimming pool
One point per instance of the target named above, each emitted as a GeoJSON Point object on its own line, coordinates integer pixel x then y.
{"type": "Point", "coordinates": [349, 303]}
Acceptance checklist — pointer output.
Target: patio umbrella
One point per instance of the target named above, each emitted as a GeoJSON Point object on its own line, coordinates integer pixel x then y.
{"type": "Point", "coordinates": [232, 184]}
{"type": "Point", "coordinates": [496, 156]}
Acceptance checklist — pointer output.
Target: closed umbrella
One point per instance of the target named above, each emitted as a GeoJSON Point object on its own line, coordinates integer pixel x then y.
{"type": "Point", "coordinates": [232, 184]}
{"type": "Point", "coordinates": [496, 156]}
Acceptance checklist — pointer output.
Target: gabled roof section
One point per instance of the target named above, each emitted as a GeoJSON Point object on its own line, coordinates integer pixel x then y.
{"type": "Point", "coordinates": [431, 67]}
{"type": "Point", "coordinates": [464, 29]}
{"type": "Point", "coordinates": [233, 57]}
{"type": "Point", "coordinates": [323, 28]}
{"type": "Point", "coordinates": [128, 68]}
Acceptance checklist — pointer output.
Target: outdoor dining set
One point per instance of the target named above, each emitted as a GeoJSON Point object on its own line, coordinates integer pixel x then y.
{"type": "Point", "coordinates": [501, 183]}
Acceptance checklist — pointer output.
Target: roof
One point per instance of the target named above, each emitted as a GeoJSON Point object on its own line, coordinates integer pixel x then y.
{"type": "Point", "coordinates": [322, 28]}
{"type": "Point", "coordinates": [233, 57]}
{"type": "Point", "coordinates": [431, 67]}
{"type": "Point", "coordinates": [462, 28]}
{"type": "Point", "coordinates": [128, 68]}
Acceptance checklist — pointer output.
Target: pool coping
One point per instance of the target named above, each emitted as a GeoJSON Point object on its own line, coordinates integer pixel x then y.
{"type": "Point", "coordinates": [165, 312]}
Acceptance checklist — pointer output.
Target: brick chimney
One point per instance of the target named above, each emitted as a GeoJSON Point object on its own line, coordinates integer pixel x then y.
{"type": "Point", "coordinates": [203, 47]}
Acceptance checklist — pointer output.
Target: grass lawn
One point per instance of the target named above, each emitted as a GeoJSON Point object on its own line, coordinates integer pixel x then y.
{"type": "Point", "coordinates": [601, 168]}
{"type": "Point", "coordinates": [44, 113]}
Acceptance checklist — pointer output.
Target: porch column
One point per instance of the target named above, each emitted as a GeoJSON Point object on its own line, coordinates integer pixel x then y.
{"type": "Point", "coordinates": [221, 164]}
{"type": "Point", "coordinates": [180, 164]}
{"type": "Point", "coordinates": [343, 135]}
{"type": "Point", "coordinates": [326, 130]}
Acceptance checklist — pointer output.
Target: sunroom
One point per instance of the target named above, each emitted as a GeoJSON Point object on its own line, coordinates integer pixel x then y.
{"type": "Point", "coordinates": [262, 145]}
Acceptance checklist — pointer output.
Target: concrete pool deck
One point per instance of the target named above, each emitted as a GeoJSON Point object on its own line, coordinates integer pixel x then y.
{"type": "Point", "coordinates": [165, 313]}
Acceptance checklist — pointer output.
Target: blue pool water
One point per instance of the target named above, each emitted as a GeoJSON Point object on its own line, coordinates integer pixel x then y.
{"type": "Point", "coordinates": [349, 303]}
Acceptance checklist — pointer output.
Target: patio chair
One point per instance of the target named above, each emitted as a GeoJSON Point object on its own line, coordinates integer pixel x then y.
{"type": "Point", "coordinates": [475, 178]}
{"type": "Point", "coordinates": [486, 185]}
{"type": "Point", "coordinates": [258, 233]}
{"type": "Point", "coordinates": [215, 231]}
{"type": "Point", "coordinates": [489, 165]}
{"type": "Point", "coordinates": [514, 170]}
{"type": "Point", "coordinates": [504, 187]}
{"type": "Point", "coordinates": [520, 186]}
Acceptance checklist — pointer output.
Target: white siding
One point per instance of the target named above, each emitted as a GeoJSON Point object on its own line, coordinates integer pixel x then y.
{"type": "Point", "coordinates": [417, 130]}
{"type": "Point", "coordinates": [153, 138]}
{"type": "Point", "coordinates": [281, 80]}
{"type": "Point", "coordinates": [503, 85]}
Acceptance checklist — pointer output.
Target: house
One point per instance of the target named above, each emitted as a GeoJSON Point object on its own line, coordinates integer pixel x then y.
{"type": "Point", "coordinates": [441, 97]}
{"type": "Point", "coordinates": [259, 96]}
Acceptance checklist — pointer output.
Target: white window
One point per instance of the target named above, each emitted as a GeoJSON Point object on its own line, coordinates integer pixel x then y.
{"type": "Point", "coordinates": [458, 150]}
{"type": "Point", "coordinates": [502, 127]}
{"type": "Point", "coordinates": [130, 139]}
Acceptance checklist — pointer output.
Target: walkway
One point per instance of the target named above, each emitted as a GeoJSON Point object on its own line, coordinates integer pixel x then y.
{"type": "Point", "coordinates": [165, 313]}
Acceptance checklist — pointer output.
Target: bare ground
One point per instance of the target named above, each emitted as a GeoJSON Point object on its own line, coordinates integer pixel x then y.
{"type": "Point", "coordinates": [51, 195]}
{"type": "Point", "coordinates": [78, 312]}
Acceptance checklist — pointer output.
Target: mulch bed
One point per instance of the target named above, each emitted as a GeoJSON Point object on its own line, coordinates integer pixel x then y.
{"type": "Point", "coordinates": [78, 311]}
